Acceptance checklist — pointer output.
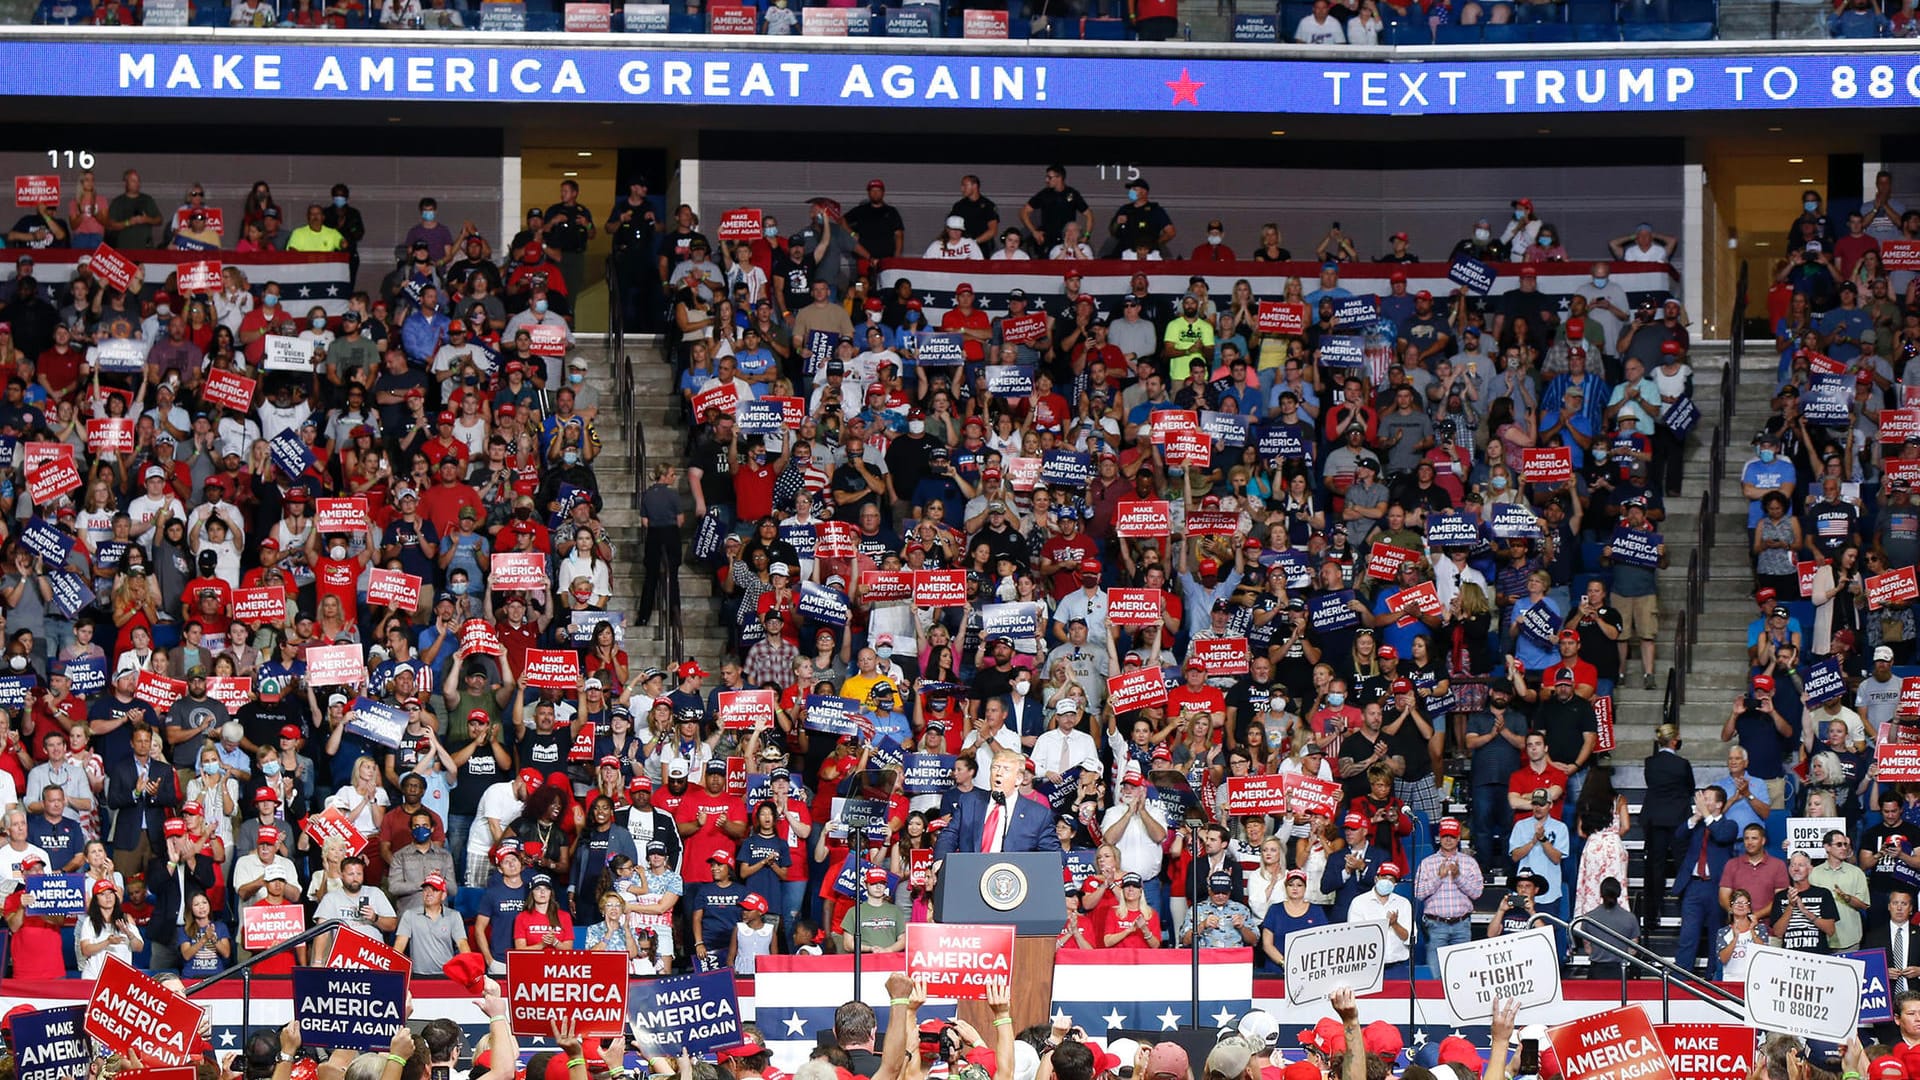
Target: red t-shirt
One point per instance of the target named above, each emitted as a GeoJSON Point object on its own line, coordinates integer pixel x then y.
{"type": "Point", "coordinates": [1206, 699]}
{"type": "Point", "coordinates": [61, 369]}
{"type": "Point", "coordinates": [709, 838]}
{"type": "Point", "coordinates": [976, 319]}
{"type": "Point", "coordinates": [36, 945]}
{"type": "Point", "coordinates": [1068, 552]}
{"type": "Point", "coordinates": [1135, 939]}
{"type": "Point", "coordinates": [336, 577]}
{"type": "Point", "coordinates": [532, 926]}
{"type": "Point", "coordinates": [753, 492]}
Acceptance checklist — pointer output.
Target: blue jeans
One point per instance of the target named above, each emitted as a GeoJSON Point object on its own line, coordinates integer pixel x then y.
{"type": "Point", "coordinates": [793, 894]}
{"type": "Point", "coordinates": [458, 826]}
{"type": "Point", "coordinates": [1155, 896]}
{"type": "Point", "coordinates": [1442, 934]}
{"type": "Point", "coordinates": [1492, 824]}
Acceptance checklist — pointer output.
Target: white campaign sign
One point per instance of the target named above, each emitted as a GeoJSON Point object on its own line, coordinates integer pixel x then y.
{"type": "Point", "coordinates": [1809, 834]}
{"type": "Point", "coordinates": [1524, 966]}
{"type": "Point", "coordinates": [1352, 955]}
{"type": "Point", "coordinates": [288, 354]}
{"type": "Point", "coordinates": [1804, 994]}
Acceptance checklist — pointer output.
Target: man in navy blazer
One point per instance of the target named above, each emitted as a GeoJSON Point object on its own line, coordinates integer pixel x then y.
{"type": "Point", "coordinates": [1354, 872]}
{"type": "Point", "coordinates": [1020, 824]}
{"type": "Point", "coordinates": [1707, 839]}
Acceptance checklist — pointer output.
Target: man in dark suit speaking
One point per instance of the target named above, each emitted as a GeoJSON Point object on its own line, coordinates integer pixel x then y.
{"type": "Point", "coordinates": [1004, 821]}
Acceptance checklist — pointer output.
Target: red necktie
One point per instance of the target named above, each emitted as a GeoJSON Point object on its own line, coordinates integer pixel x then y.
{"type": "Point", "coordinates": [1700, 868]}
{"type": "Point", "coordinates": [990, 832]}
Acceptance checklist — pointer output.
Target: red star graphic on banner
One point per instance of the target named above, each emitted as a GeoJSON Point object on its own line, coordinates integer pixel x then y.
{"type": "Point", "coordinates": [1186, 89]}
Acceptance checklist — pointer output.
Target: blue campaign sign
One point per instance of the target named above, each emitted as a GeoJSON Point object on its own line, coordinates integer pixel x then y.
{"type": "Point", "coordinates": [1014, 620]}
{"type": "Point", "coordinates": [1079, 862]}
{"type": "Point", "coordinates": [761, 417]}
{"type": "Point", "coordinates": [801, 537]}
{"type": "Point", "coordinates": [52, 545]}
{"type": "Point", "coordinates": [1876, 1000]}
{"type": "Point", "coordinates": [70, 592]}
{"type": "Point", "coordinates": [378, 722]}
{"type": "Point", "coordinates": [564, 501]}
{"type": "Point", "coordinates": [832, 715]}
{"type": "Point", "coordinates": [1328, 612]}
{"type": "Point", "coordinates": [936, 349]}
{"type": "Point", "coordinates": [1541, 625]}
{"type": "Point", "coordinates": [51, 1044]}
{"type": "Point", "coordinates": [1511, 521]}
{"type": "Point", "coordinates": [291, 455]}
{"type": "Point", "coordinates": [1299, 572]}
{"type": "Point", "coordinates": [916, 21]}
{"type": "Point", "coordinates": [1477, 277]}
{"type": "Point", "coordinates": [1229, 428]}
{"type": "Point", "coordinates": [848, 882]}
{"type": "Point", "coordinates": [108, 553]}
{"type": "Point", "coordinates": [57, 894]}
{"type": "Point", "coordinates": [1649, 79]}
{"type": "Point", "coordinates": [1343, 351]}
{"type": "Point", "coordinates": [89, 676]}
{"type": "Point", "coordinates": [1451, 530]}
{"type": "Point", "coordinates": [1680, 417]}
{"type": "Point", "coordinates": [1280, 441]}
{"type": "Point", "coordinates": [1356, 311]}
{"type": "Point", "coordinates": [928, 774]}
{"type": "Point", "coordinates": [1636, 547]}
{"type": "Point", "coordinates": [1824, 681]}
{"type": "Point", "coordinates": [696, 1013]}
{"type": "Point", "coordinates": [1065, 468]}
{"type": "Point", "coordinates": [15, 690]}
{"type": "Point", "coordinates": [348, 1007]}
{"type": "Point", "coordinates": [1828, 400]}
{"type": "Point", "coordinates": [822, 344]}
{"type": "Point", "coordinates": [1009, 380]}
{"type": "Point", "coordinates": [823, 604]}
{"type": "Point", "coordinates": [1259, 28]}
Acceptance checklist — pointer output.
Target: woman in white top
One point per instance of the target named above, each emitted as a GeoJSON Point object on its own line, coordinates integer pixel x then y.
{"type": "Point", "coordinates": [1736, 940]}
{"type": "Point", "coordinates": [105, 930]}
{"type": "Point", "coordinates": [752, 935]}
{"type": "Point", "coordinates": [1010, 248]}
{"type": "Point", "coordinates": [583, 563]}
{"type": "Point", "coordinates": [214, 791]}
{"type": "Point", "coordinates": [1071, 245]}
{"type": "Point", "coordinates": [1267, 885]}
{"type": "Point", "coordinates": [954, 243]}
{"type": "Point", "coordinates": [364, 800]}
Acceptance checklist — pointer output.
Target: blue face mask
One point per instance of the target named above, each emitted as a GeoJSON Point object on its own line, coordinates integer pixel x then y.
{"type": "Point", "coordinates": [1383, 887]}
{"type": "Point", "coordinates": [339, 200]}
{"type": "Point", "coordinates": [269, 768]}
{"type": "Point", "coordinates": [319, 322]}
{"type": "Point", "coordinates": [459, 588]}
{"type": "Point", "coordinates": [1766, 456]}
{"type": "Point", "coordinates": [912, 315]}
{"type": "Point", "coordinates": [422, 833]}
{"type": "Point", "coordinates": [1334, 701]}
{"type": "Point", "coordinates": [426, 215]}
{"type": "Point", "coordinates": [210, 768]}
{"type": "Point", "coordinates": [1545, 241]}
{"type": "Point", "coordinates": [270, 300]}
{"type": "Point", "coordinates": [1519, 215]}
{"type": "Point", "coordinates": [540, 306]}
{"type": "Point", "coordinates": [571, 457]}
{"type": "Point", "coordinates": [1599, 283]}
{"type": "Point", "coordinates": [576, 378]}
{"type": "Point", "coordinates": [1811, 205]}
{"type": "Point", "coordinates": [1499, 482]}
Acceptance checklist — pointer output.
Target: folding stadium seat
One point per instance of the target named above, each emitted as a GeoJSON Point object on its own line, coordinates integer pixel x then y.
{"type": "Point", "coordinates": [1549, 33]}
{"type": "Point", "coordinates": [1595, 32]}
{"type": "Point", "coordinates": [1409, 32]}
{"type": "Point", "coordinates": [1691, 11]}
{"type": "Point", "coordinates": [1503, 33]}
{"type": "Point", "coordinates": [1103, 29]}
{"type": "Point", "coordinates": [1591, 12]}
{"type": "Point", "coordinates": [1452, 34]}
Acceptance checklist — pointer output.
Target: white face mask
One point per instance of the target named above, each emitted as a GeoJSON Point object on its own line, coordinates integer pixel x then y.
{"type": "Point", "coordinates": [917, 426]}
{"type": "Point", "coordinates": [1482, 235]}
{"type": "Point", "coordinates": [873, 316]}
{"type": "Point", "coordinates": [337, 551]}
{"type": "Point", "coordinates": [1020, 687]}
{"type": "Point", "coordinates": [1214, 239]}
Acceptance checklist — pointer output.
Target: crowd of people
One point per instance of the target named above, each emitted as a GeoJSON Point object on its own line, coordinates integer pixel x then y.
{"type": "Point", "coordinates": [1363, 579]}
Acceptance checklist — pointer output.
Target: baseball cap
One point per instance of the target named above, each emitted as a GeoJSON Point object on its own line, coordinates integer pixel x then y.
{"type": "Point", "coordinates": [1883, 653]}
{"type": "Point", "coordinates": [532, 778]}
{"type": "Point", "coordinates": [1229, 1057]}
{"type": "Point", "coordinates": [269, 835]}
{"type": "Point", "coordinates": [875, 876]}
{"type": "Point", "coordinates": [1448, 827]}
{"type": "Point", "coordinates": [1167, 1058]}
{"type": "Point", "coordinates": [434, 880]}
{"type": "Point", "coordinates": [1354, 821]}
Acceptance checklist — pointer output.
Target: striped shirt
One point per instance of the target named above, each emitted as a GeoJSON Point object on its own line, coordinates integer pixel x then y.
{"type": "Point", "coordinates": [1447, 897]}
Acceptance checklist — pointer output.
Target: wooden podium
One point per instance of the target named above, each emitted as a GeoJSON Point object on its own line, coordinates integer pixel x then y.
{"type": "Point", "coordinates": [1018, 889]}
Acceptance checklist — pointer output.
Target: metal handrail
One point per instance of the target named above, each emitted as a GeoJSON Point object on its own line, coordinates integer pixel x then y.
{"type": "Point", "coordinates": [1737, 339]}
{"type": "Point", "coordinates": [1670, 701]}
{"type": "Point", "coordinates": [1632, 954]}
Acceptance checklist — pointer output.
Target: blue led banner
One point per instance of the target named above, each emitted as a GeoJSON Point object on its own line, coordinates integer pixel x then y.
{"type": "Point", "coordinates": [278, 69]}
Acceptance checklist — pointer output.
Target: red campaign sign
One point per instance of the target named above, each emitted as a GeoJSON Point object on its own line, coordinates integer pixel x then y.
{"type": "Point", "coordinates": [355, 951]}
{"type": "Point", "coordinates": [1250, 795]}
{"type": "Point", "coordinates": [1383, 560]}
{"type": "Point", "coordinates": [1213, 522]}
{"type": "Point", "coordinates": [36, 191]}
{"type": "Point", "coordinates": [340, 515]}
{"type": "Point", "coordinates": [512, 570]}
{"type": "Point", "coordinates": [202, 276]}
{"type": "Point", "coordinates": [159, 691]}
{"type": "Point", "coordinates": [1897, 424]}
{"type": "Point", "coordinates": [1546, 464]}
{"type": "Point", "coordinates": [1905, 470]}
{"type": "Point", "coordinates": [52, 480]}
{"type": "Point", "coordinates": [1189, 448]}
{"type": "Point", "coordinates": [1312, 795]}
{"type": "Point", "coordinates": [589, 18]}
{"type": "Point", "coordinates": [835, 540]}
{"type": "Point", "coordinates": [163, 1072]}
{"type": "Point", "coordinates": [744, 710]}
{"type": "Point", "coordinates": [133, 1014]}
{"type": "Point", "coordinates": [331, 823]}
{"type": "Point", "coordinates": [582, 748]}
{"type": "Point", "coordinates": [737, 776]}
{"type": "Point", "coordinates": [112, 267]}
{"type": "Point", "coordinates": [1137, 689]}
{"type": "Point", "coordinates": [35, 454]}
{"type": "Point", "coordinates": [724, 397]}
{"type": "Point", "coordinates": [478, 636]}
{"type": "Point", "coordinates": [1909, 704]}
{"type": "Point", "coordinates": [267, 603]}
{"type": "Point", "coordinates": [548, 339]}
{"type": "Point", "coordinates": [394, 588]}
{"type": "Point", "coordinates": [230, 389]}
{"type": "Point", "coordinates": [1821, 364]}
{"type": "Point", "coordinates": [919, 865]}
{"type": "Point", "coordinates": [1896, 762]}
{"type": "Point", "coordinates": [1282, 318]}
{"type": "Point", "coordinates": [1805, 571]}
{"type": "Point", "coordinates": [1133, 607]}
{"type": "Point", "coordinates": [732, 19]}
{"type": "Point", "coordinates": [1424, 598]}
{"type": "Point", "coordinates": [1023, 329]}
{"type": "Point", "coordinates": [939, 588]}
{"type": "Point", "coordinates": [1900, 254]}
{"type": "Point", "coordinates": [1707, 1051]}
{"type": "Point", "coordinates": [265, 925]}
{"type": "Point", "coordinates": [983, 25]}
{"type": "Point", "coordinates": [547, 986]}
{"type": "Point", "coordinates": [1223, 656]}
{"type": "Point", "coordinates": [1892, 587]}
{"type": "Point", "coordinates": [887, 585]}
{"type": "Point", "coordinates": [233, 691]}
{"type": "Point", "coordinates": [336, 665]}
{"type": "Point", "coordinates": [1148, 518]}
{"type": "Point", "coordinates": [1022, 472]}
{"type": "Point", "coordinates": [1603, 724]}
{"type": "Point", "coordinates": [1615, 1045]}
{"type": "Point", "coordinates": [960, 961]}
{"type": "Point", "coordinates": [111, 435]}
{"type": "Point", "coordinates": [558, 669]}
{"type": "Point", "coordinates": [792, 411]}
{"type": "Point", "coordinates": [1173, 421]}
{"type": "Point", "coordinates": [741, 224]}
